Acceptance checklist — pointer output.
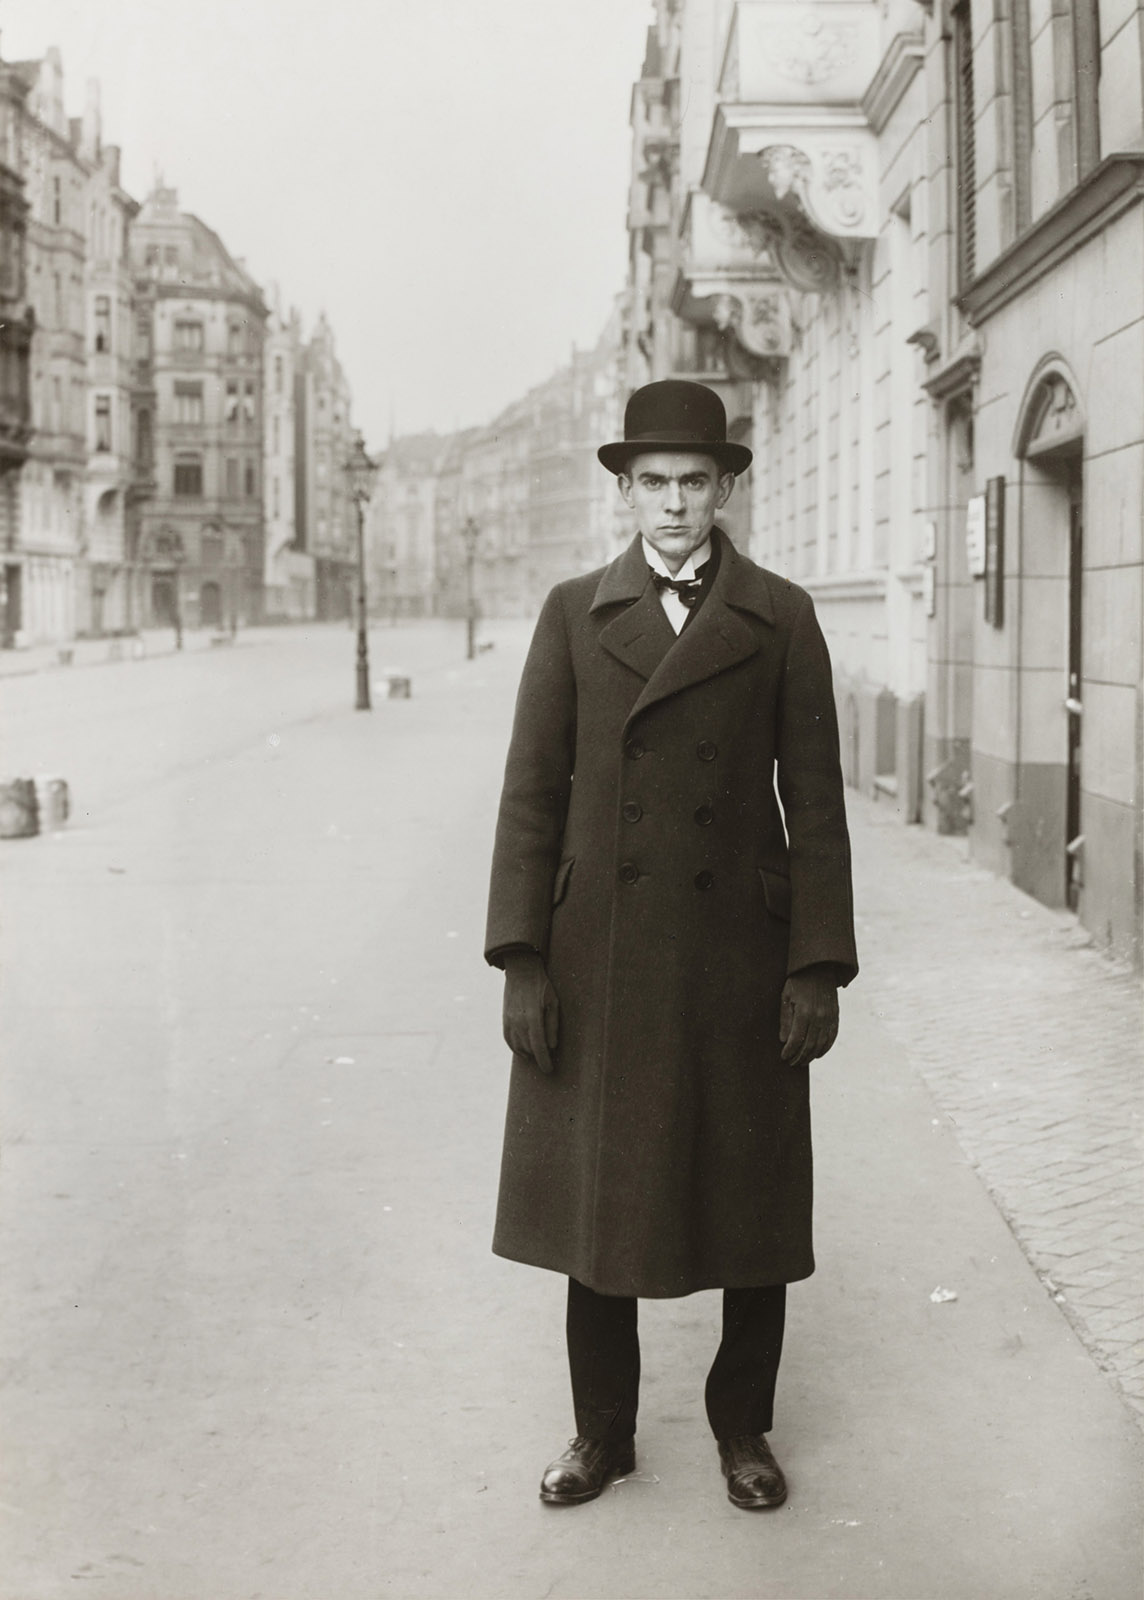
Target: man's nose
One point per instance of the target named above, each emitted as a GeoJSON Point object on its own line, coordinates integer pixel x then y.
{"type": "Point", "coordinates": [673, 495]}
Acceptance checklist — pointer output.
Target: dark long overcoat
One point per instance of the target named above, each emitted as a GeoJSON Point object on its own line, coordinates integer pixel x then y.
{"type": "Point", "coordinates": [641, 849]}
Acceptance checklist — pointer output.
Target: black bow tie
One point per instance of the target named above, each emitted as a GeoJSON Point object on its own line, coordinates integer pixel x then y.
{"type": "Point", "coordinates": [688, 589]}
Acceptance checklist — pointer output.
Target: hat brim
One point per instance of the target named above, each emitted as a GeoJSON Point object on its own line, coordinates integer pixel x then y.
{"type": "Point", "coordinates": [732, 457]}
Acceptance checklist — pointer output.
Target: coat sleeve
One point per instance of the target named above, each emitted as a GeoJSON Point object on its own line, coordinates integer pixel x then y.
{"type": "Point", "coordinates": [811, 790]}
{"type": "Point", "coordinates": [537, 787]}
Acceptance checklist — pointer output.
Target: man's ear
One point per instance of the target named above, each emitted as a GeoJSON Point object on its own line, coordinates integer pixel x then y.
{"type": "Point", "coordinates": [726, 484]}
{"type": "Point", "coordinates": [625, 483]}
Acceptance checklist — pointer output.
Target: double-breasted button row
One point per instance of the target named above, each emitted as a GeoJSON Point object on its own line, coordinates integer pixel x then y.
{"type": "Point", "coordinates": [634, 749]}
{"type": "Point", "coordinates": [706, 751]}
{"type": "Point", "coordinates": [632, 811]}
{"type": "Point", "coordinates": [630, 873]}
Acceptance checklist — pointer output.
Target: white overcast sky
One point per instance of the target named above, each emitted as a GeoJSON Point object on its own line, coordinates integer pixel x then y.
{"type": "Point", "coordinates": [447, 178]}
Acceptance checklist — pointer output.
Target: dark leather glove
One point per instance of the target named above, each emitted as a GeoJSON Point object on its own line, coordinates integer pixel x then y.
{"type": "Point", "coordinates": [808, 1015]}
{"type": "Point", "coordinates": [531, 1009]}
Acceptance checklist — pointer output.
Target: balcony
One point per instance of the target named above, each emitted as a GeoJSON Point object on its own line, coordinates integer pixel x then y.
{"type": "Point", "coordinates": [727, 280]}
{"type": "Point", "coordinates": [791, 151]}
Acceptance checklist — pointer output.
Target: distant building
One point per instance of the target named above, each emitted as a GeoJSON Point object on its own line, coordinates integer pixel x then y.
{"type": "Point", "coordinates": [203, 318]}
{"type": "Point", "coordinates": [288, 577]}
{"type": "Point", "coordinates": [113, 486]}
{"type": "Point", "coordinates": [50, 516]}
{"type": "Point", "coordinates": [494, 491]}
{"type": "Point", "coordinates": [325, 516]}
{"type": "Point", "coordinates": [529, 481]}
{"type": "Point", "coordinates": [17, 323]}
{"type": "Point", "coordinates": [400, 528]}
{"type": "Point", "coordinates": [575, 516]}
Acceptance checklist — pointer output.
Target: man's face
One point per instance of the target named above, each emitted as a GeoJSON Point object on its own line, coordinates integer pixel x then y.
{"type": "Point", "coordinates": [675, 495]}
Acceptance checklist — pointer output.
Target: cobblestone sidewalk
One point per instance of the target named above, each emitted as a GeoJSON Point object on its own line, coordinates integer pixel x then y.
{"type": "Point", "coordinates": [1031, 1043]}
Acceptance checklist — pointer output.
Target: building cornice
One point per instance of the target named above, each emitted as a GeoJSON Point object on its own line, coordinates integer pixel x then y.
{"type": "Point", "coordinates": [899, 67]}
{"type": "Point", "coordinates": [846, 586]}
{"type": "Point", "coordinates": [955, 376]}
{"type": "Point", "coordinates": [207, 291]}
{"type": "Point", "coordinates": [1113, 186]}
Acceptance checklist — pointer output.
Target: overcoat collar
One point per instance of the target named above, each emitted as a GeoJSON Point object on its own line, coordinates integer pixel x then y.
{"type": "Point", "coordinates": [716, 638]}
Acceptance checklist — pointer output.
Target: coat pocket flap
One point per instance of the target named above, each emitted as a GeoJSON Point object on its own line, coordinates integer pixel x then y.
{"type": "Point", "coordinates": [560, 883]}
{"type": "Point", "coordinates": [776, 887]}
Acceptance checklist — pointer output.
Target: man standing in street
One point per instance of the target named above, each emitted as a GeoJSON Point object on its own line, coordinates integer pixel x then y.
{"type": "Point", "coordinates": [672, 942]}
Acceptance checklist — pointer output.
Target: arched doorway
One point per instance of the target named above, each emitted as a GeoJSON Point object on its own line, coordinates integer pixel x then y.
{"type": "Point", "coordinates": [210, 605]}
{"type": "Point", "coordinates": [1049, 859]}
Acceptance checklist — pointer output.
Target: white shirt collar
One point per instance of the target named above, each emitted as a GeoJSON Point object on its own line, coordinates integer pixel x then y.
{"type": "Point", "coordinates": [687, 570]}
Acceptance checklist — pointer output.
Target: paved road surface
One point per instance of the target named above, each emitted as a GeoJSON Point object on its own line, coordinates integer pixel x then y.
{"type": "Point", "coordinates": [253, 1344]}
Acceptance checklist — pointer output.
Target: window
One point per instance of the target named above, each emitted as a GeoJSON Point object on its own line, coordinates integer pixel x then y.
{"type": "Point", "coordinates": [189, 476]}
{"type": "Point", "coordinates": [275, 496]}
{"type": "Point", "coordinates": [103, 322]}
{"type": "Point", "coordinates": [1022, 114]}
{"type": "Point", "coordinates": [188, 402]}
{"type": "Point", "coordinates": [251, 484]}
{"type": "Point", "coordinates": [231, 478]}
{"type": "Point", "coordinates": [103, 422]}
{"type": "Point", "coordinates": [58, 295]}
{"type": "Point", "coordinates": [151, 256]}
{"type": "Point", "coordinates": [170, 255]}
{"type": "Point", "coordinates": [143, 337]}
{"type": "Point", "coordinates": [278, 374]}
{"type": "Point", "coordinates": [234, 339]}
{"type": "Point", "coordinates": [57, 202]}
{"type": "Point", "coordinates": [143, 445]}
{"type": "Point", "coordinates": [1086, 65]}
{"type": "Point", "coordinates": [189, 336]}
{"type": "Point", "coordinates": [231, 413]}
{"type": "Point", "coordinates": [249, 406]}
{"type": "Point", "coordinates": [966, 142]}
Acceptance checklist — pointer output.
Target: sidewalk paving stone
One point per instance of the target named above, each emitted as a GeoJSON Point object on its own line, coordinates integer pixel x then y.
{"type": "Point", "coordinates": [1030, 1041]}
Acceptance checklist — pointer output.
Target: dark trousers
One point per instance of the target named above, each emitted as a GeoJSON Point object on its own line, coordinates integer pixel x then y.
{"type": "Point", "coordinates": [604, 1361]}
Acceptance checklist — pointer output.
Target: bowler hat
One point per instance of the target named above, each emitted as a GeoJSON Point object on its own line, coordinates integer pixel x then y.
{"type": "Point", "coordinates": [675, 415]}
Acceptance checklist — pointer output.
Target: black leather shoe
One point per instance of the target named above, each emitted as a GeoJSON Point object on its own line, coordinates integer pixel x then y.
{"type": "Point", "coordinates": [584, 1468]}
{"type": "Point", "coordinates": [754, 1478]}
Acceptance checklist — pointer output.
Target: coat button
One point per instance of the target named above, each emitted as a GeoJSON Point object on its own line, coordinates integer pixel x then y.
{"type": "Point", "coordinates": [633, 749]}
{"type": "Point", "coordinates": [704, 816]}
{"type": "Point", "coordinates": [632, 811]}
{"type": "Point", "coordinates": [704, 879]}
{"type": "Point", "coordinates": [629, 872]}
{"type": "Point", "coordinates": [705, 750]}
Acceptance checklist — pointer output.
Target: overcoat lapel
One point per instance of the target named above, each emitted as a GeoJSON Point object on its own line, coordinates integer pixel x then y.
{"type": "Point", "coordinates": [718, 636]}
{"type": "Point", "coordinates": [640, 636]}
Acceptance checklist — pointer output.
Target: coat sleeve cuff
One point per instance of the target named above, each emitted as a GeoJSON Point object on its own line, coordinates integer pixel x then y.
{"type": "Point", "coordinates": [497, 954]}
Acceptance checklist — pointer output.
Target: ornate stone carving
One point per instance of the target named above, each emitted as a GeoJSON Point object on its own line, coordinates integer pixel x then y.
{"type": "Point", "coordinates": [927, 341]}
{"type": "Point", "coordinates": [1057, 418]}
{"type": "Point", "coordinates": [760, 320]}
{"type": "Point", "coordinates": [787, 170]}
{"type": "Point", "coordinates": [807, 259]}
{"type": "Point", "coordinates": [830, 185]}
{"type": "Point", "coordinates": [842, 180]}
{"type": "Point", "coordinates": [812, 50]}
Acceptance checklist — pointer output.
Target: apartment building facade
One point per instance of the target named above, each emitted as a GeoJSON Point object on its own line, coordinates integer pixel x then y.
{"type": "Point", "coordinates": [201, 321]}
{"type": "Point", "coordinates": [906, 238]}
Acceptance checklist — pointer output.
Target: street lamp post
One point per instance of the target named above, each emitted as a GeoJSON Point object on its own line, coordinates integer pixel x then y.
{"type": "Point", "coordinates": [359, 471]}
{"type": "Point", "coordinates": [470, 533]}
